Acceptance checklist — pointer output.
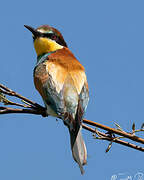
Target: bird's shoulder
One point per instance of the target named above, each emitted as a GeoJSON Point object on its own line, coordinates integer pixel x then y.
{"type": "Point", "coordinates": [65, 59]}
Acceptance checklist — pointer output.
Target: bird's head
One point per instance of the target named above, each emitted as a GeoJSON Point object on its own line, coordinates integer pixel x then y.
{"type": "Point", "coordinates": [46, 39]}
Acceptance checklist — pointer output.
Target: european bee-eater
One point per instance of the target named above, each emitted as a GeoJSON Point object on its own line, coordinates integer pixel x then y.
{"type": "Point", "coordinates": [61, 81]}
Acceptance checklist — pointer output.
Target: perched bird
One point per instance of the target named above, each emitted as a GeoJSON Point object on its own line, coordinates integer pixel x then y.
{"type": "Point", "coordinates": [61, 81]}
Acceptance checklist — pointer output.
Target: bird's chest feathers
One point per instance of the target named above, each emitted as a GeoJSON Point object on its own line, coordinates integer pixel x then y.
{"type": "Point", "coordinates": [45, 45]}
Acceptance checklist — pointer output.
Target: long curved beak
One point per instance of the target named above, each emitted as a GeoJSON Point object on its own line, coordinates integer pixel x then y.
{"type": "Point", "coordinates": [34, 31]}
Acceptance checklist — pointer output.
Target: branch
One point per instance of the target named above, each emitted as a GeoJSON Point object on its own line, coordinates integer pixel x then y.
{"type": "Point", "coordinates": [106, 137]}
{"type": "Point", "coordinates": [115, 131]}
{"type": "Point", "coordinates": [30, 107]}
{"type": "Point", "coordinates": [5, 90]}
{"type": "Point", "coordinates": [6, 110]}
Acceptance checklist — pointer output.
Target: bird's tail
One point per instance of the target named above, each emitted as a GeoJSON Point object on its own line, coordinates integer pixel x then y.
{"type": "Point", "coordinates": [78, 147]}
{"type": "Point", "coordinates": [73, 120]}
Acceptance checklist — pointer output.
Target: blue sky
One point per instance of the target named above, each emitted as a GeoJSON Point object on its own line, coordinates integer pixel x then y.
{"type": "Point", "coordinates": [107, 37]}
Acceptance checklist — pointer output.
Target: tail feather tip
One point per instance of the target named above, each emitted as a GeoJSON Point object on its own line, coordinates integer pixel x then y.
{"type": "Point", "coordinates": [81, 169]}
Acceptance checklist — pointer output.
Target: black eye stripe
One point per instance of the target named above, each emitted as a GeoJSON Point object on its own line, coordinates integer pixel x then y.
{"type": "Point", "coordinates": [48, 35]}
{"type": "Point", "coordinates": [52, 36]}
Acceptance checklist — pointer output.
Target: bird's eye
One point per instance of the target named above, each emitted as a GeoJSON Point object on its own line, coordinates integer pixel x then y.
{"type": "Point", "coordinates": [53, 37]}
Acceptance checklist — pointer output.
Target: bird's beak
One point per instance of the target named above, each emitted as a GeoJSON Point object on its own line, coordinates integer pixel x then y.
{"type": "Point", "coordinates": [34, 31]}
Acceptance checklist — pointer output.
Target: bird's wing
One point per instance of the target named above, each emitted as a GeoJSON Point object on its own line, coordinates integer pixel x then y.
{"type": "Point", "coordinates": [84, 96]}
{"type": "Point", "coordinates": [80, 82]}
{"type": "Point", "coordinates": [49, 82]}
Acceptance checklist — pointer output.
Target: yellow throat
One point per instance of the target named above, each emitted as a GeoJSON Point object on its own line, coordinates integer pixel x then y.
{"type": "Point", "coordinates": [45, 45]}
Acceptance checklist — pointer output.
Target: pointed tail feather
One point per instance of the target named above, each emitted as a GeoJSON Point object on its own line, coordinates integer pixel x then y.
{"type": "Point", "coordinates": [78, 147]}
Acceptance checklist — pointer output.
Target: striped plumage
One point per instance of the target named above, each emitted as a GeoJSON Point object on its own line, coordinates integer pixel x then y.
{"type": "Point", "coordinates": [60, 79]}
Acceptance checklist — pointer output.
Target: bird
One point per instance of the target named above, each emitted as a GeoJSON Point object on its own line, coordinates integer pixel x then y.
{"type": "Point", "coordinates": [62, 83]}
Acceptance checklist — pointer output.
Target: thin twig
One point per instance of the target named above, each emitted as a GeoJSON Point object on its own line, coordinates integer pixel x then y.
{"type": "Point", "coordinates": [12, 93]}
{"type": "Point", "coordinates": [112, 130]}
{"type": "Point", "coordinates": [115, 140]}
